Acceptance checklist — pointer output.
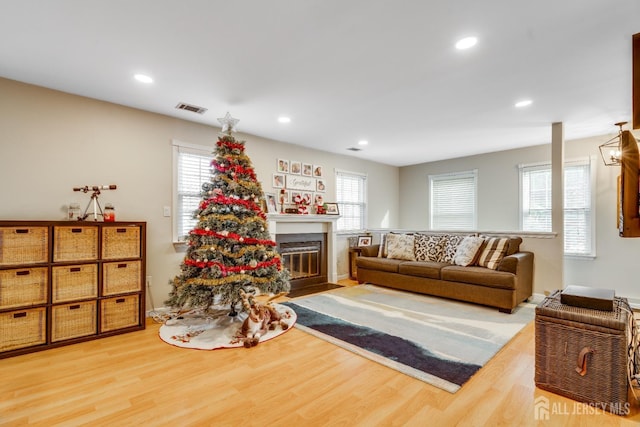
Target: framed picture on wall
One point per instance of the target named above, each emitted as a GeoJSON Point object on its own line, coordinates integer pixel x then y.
{"type": "Point", "coordinates": [320, 187]}
{"type": "Point", "coordinates": [278, 180]}
{"type": "Point", "coordinates": [296, 167]}
{"type": "Point", "coordinates": [317, 171]}
{"type": "Point", "coordinates": [283, 166]}
{"type": "Point", "coordinates": [307, 169]}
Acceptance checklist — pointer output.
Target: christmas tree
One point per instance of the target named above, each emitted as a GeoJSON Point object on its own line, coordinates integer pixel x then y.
{"type": "Point", "coordinates": [230, 248]}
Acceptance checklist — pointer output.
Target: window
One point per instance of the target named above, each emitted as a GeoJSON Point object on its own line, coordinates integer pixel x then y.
{"type": "Point", "coordinates": [351, 198]}
{"type": "Point", "coordinates": [578, 203]}
{"type": "Point", "coordinates": [192, 167]}
{"type": "Point", "coordinates": [453, 201]}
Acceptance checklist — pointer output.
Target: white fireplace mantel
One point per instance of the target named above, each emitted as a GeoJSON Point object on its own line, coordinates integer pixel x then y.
{"type": "Point", "coordinates": [294, 223]}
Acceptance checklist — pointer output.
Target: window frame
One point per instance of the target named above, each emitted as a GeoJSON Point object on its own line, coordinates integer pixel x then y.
{"type": "Point", "coordinates": [473, 174]}
{"type": "Point", "coordinates": [364, 217]}
{"type": "Point", "coordinates": [195, 149]}
{"type": "Point", "coordinates": [589, 161]}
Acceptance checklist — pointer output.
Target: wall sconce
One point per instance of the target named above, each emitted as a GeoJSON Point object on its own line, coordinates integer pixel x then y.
{"type": "Point", "coordinates": [610, 150]}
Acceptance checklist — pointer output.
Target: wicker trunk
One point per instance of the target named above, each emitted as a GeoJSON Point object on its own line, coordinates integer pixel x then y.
{"type": "Point", "coordinates": [582, 353]}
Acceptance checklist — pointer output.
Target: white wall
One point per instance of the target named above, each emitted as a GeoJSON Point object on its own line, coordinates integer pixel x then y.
{"type": "Point", "coordinates": [616, 264]}
{"type": "Point", "coordinates": [51, 142]}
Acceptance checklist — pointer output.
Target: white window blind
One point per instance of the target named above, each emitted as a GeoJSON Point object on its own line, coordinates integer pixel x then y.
{"type": "Point", "coordinates": [192, 169]}
{"type": "Point", "coordinates": [351, 199]}
{"type": "Point", "coordinates": [578, 204]}
{"type": "Point", "coordinates": [453, 201]}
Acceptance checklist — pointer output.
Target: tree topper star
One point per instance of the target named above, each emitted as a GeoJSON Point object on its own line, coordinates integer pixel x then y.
{"type": "Point", "coordinates": [228, 123]}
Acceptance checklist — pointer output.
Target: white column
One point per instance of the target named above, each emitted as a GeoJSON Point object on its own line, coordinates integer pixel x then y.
{"type": "Point", "coordinates": [557, 201]}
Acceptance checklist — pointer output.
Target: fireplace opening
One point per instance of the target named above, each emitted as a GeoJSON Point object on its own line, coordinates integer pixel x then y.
{"type": "Point", "coordinates": [304, 255]}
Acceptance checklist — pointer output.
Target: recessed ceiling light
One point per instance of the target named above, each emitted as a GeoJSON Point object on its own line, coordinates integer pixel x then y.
{"type": "Point", "coordinates": [142, 78]}
{"type": "Point", "coordinates": [466, 43]}
{"type": "Point", "coordinates": [284, 119]}
{"type": "Point", "coordinates": [523, 103]}
{"type": "Point", "coordinates": [363, 142]}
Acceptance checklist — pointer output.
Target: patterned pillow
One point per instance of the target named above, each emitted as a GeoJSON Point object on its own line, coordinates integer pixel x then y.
{"type": "Point", "coordinates": [467, 251]}
{"type": "Point", "coordinates": [493, 252]}
{"type": "Point", "coordinates": [400, 246]}
{"type": "Point", "coordinates": [451, 246]}
{"type": "Point", "coordinates": [430, 247]}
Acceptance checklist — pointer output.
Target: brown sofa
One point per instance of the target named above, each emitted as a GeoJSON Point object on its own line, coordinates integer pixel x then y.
{"type": "Point", "coordinates": [505, 287]}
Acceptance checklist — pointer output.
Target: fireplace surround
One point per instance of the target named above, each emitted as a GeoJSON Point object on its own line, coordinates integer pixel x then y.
{"type": "Point", "coordinates": [283, 227]}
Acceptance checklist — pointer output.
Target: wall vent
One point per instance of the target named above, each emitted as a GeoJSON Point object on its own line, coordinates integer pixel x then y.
{"type": "Point", "coordinates": [192, 108]}
{"type": "Point", "coordinates": [354, 149]}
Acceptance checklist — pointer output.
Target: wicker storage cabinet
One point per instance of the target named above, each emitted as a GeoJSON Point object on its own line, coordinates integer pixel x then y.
{"type": "Point", "coordinates": [73, 320]}
{"type": "Point", "coordinates": [119, 312]}
{"type": "Point", "coordinates": [23, 287]}
{"type": "Point", "coordinates": [121, 277]}
{"type": "Point", "coordinates": [74, 282]}
{"type": "Point", "coordinates": [23, 328]}
{"type": "Point", "coordinates": [24, 245]}
{"type": "Point", "coordinates": [582, 353]}
{"type": "Point", "coordinates": [64, 282]}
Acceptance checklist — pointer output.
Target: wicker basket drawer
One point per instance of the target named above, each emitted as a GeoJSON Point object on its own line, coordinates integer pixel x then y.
{"type": "Point", "coordinates": [77, 243]}
{"type": "Point", "coordinates": [121, 277]}
{"type": "Point", "coordinates": [73, 320]}
{"type": "Point", "coordinates": [74, 282]}
{"type": "Point", "coordinates": [120, 242]}
{"type": "Point", "coordinates": [119, 312]}
{"type": "Point", "coordinates": [23, 245]}
{"type": "Point", "coordinates": [23, 287]}
{"type": "Point", "coordinates": [594, 341]}
{"type": "Point", "coordinates": [23, 328]}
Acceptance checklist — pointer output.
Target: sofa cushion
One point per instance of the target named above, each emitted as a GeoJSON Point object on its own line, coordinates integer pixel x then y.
{"type": "Point", "coordinates": [479, 276]}
{"type": "Point", "coordinates": [452, 241]}
{"type": "Point", "coordinates": [514, 245]}
{"type": "Point", "coordinates": [429, 247]}
{"type": "Point", "coordinates": [428, 269]}
{"type": "Point", "coordinates": [381, 264]}
{"type": "Point", "coordinates": [468, 251]}
{"type": "Point", "coordinates": [401, 246]}
{"type": "Point", "coordinates": [493, 252]}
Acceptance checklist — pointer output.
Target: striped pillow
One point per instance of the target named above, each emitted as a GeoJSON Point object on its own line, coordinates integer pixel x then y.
{"type": "Point", "coordinates": [493, 252]}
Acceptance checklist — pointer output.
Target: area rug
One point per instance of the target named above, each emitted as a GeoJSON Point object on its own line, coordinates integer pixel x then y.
{"type": "Point", "coordinates": [439, 341]}
{"type": "Point", "coordinates": [215, 328]}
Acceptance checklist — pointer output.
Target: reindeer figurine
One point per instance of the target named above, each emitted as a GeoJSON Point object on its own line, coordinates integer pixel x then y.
{"type": "Point", "coordinates": [261, 318]}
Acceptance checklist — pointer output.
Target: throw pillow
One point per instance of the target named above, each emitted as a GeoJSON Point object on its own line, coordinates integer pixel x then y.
{"type": "Point", "coordinates": [429, 247]}
{"type": "Point", "coordinates": [467, 251]}
{"type": "Point", "coordinates": [382, 251]}
{"type": "Point", "coordinates": [493, 252]}
{"type": "Point", "coordinates": [451, 246]}
{"type": "Point", "coordinates": [400, 246]}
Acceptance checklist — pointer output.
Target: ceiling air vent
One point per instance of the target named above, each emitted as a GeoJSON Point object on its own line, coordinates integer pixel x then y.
{"type": "Point", "coordinates": [192, 108]}
{"type": "Point", "coordinates": [354, 149]}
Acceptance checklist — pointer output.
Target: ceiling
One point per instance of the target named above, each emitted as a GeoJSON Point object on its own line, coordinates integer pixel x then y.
{"type": "Point", "coordinates": [343, 71]}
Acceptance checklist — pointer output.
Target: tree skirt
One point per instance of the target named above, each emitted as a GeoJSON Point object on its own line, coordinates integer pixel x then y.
{"type": "Point", "coordinates": [215, 328]}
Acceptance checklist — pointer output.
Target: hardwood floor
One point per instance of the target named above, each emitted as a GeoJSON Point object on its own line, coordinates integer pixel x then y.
{"type": "Point", "coordinates": [296, 379]}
